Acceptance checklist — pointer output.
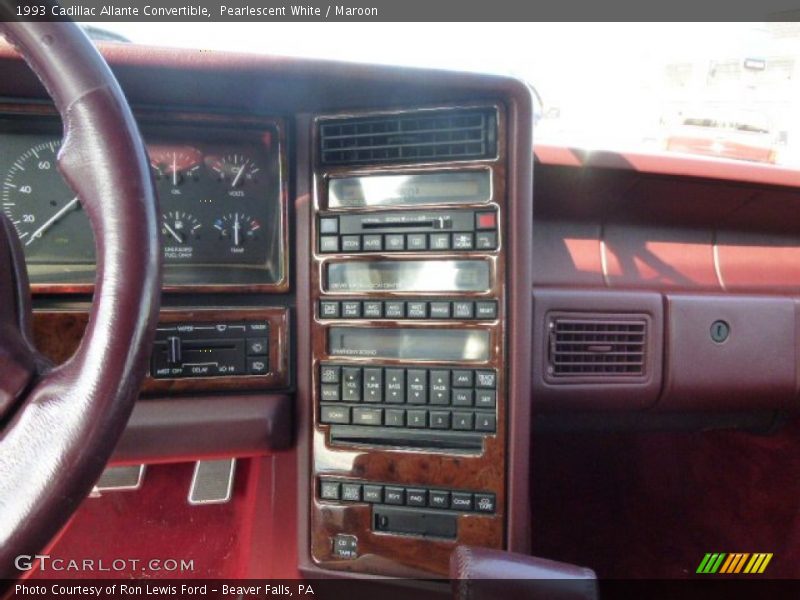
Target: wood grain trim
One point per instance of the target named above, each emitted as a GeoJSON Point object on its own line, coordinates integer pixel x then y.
{"type": "Point", "coordinates": [58, 333]}
{"type": "Point", "coordinates": [221, 121]}
{"type": "Point", "coordinates": [380, 553]}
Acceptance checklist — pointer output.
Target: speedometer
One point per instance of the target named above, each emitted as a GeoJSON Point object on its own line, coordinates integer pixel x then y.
{"type": "Point", "coordinates": [46, 214]}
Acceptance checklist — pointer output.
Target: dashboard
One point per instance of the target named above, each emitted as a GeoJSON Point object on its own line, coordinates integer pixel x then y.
{"type": "Point", "coordinates": [221, 188]}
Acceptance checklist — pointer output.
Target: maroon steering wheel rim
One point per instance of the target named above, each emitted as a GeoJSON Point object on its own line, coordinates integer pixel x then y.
{"type": "Point", "coordinates": [60, 425]}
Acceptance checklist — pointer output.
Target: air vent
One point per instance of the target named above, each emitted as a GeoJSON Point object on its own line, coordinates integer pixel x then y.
{"type": "Point", "coordinates": [597, 346]}
{"type": "Point", "coordinates": [425, 136]}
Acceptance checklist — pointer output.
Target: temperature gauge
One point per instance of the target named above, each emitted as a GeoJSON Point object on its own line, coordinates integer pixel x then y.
{"type": "Point", "coordinates": [239, 230]}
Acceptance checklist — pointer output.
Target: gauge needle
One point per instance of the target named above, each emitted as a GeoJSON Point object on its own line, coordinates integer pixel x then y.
{"type": "Point", "coordinates": [174, 169]}
{"type": "Point", "coordinates": [236, 179]}
{"type": "Point", "coordinates": [236, 230]}
{"type": "Point", "coordinates": [49, 223]}
{"type": "Point", "coordinates": [173, 233]}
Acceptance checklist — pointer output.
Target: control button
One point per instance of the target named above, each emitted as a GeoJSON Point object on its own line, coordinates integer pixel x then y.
{"type": "Point", "coordinates": [335, 414]}
{"type": "Point", "coordinates": [372, 243]}
{"type": "Point", "coordinates": [440, 310]}
{"type": "Point", "coordinates": [394, 310]}
{"type": "Point", "coordinates": [461, 501]}
{"type": "Point", "coordinates": [440, 387]}
{"type": "Point", "coordinates": [257, 366]}
{"type": "Point", "coordinates": [486, 220]}
{"type": "Point", "coordinates": [463, 379]}
{"type": "Point", "coordinates": [329, 310]}
{"type": "Point", "coordinates": [486, 240]}
{"type": "Point", "coordinates": [395, 386]}
{"type": "Point", "coordinates": [351, 243]}
{"type": "Point", "coordinates": [351, 310]}
{"type": "Point", "coordinates": [373, 310]}
{"type": "Point", "coordinates": [417, 241]}
{"type": "Point", "coordinates": [329, 490]}
{"type": "Point", "coordinates": [345, 546]}
{"type": "Point", "coordinates": [257, 327]}
{"type": "Point", "coordinates": [367, 416]}
{"type": "Point", "coordinates": [463, 310]}
{"type": "Point", "coordinates": [462, 397]}
{"type": "Point", "coordinates": [486, 379]}
{"type": "Point", "coordinates": [351, 492]}
{"type": "Point", "coordinates": [462, 421]}
{"type": "Point", "coordinates": [257, 346]}
{"type": "Point", "coordinates": [395, 417]}
{"type": "Point", "coordinates": [417, 418]}
{"type": "Point", "coordinates": [417, 310]}
{"type": "Point", "coordinates": [394, 495]}
{"type": "Point", "coordinates": [485, 503]}
{"type": "Point", "coordinates": [439, 499]}
{"type": "Point", "coordinates": [416, 497]}
{"type": "Point", "coordinates": [351, 384]}
{"type": "Point", "coordinates": [485, 398]}
{"type": "Point", "coordinates": [463, 241]}
{"type": "Point", "coordinates": [439, 241]}
{"type": "Point", "coordinates": [373, 493]}
{"type": "Point", "coordinates": [329, 374]}
{"type": "Point", "coordinates": [329, 243]}
{"type": "Point", "coordinates": [485, 423]}
{"type": "Point", "coordinates": [394, 242]}
{"type": "Point", "coordinates": [329, 225]}
{"type": "Point", "coordinates": [330, 393]}
{"type": "Point", "coordinates": [373, 384]}
{"type": "Point", "coordinates": [486, 310]}
{"type": "Point", "coordinates": [440, 420]}
{"type": "Point", "coordinates": [417, 387]}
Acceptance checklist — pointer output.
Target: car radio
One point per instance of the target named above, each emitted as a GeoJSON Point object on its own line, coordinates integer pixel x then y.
{"type": "Point", "coordinates": [409, 356]}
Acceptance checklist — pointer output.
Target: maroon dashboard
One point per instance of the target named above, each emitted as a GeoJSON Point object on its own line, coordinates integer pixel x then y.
{"type": "Point", "coordinates": [374, 293]}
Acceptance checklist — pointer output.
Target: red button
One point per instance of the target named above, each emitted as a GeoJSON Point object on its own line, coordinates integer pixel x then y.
{"type": "Point", "coordinates": [487, 220]}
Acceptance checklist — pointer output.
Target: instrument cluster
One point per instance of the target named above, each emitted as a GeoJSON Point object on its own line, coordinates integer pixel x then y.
{"type": "Point", "coordinates": [219, 191]}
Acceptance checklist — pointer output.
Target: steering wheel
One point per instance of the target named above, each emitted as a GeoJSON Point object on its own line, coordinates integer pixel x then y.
{"type": "Point", "coordinates": [58, 426]}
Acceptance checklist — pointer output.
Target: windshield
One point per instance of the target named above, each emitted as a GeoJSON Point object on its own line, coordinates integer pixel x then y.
{"type": "Point", "coordinates": [721, 90]}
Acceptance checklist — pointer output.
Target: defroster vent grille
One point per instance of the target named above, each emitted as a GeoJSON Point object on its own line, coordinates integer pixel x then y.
{"type": "Point", "coordinates": [597, 347]}
{"type": "Point", "coordinates": [424, 136]}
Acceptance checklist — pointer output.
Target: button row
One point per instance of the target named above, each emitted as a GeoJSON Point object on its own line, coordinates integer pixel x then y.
{"type": "Point", "coordinates": [459, 387]}
{"type": "Point", "coordinates": [336, 414]}
{"type": "Point", "coordinates": [417, 497]}
{"type": "Point", "coordinates": [411, 242]}
{"type": "Point", "coordinates": [398, 309]}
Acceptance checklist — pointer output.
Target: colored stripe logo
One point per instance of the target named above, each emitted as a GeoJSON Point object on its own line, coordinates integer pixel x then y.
{"type": "Point", "coordinates": [733, 563]}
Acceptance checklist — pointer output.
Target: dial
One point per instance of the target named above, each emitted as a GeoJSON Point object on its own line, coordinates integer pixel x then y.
{"type": "Point", "coordinates": [179, 231]}
{"type": "Point", "coordinates": [235, 171]}
{"type": "Point", "coordinates": [238, 230]}
{"type": "Point", "coordinates": [46, 214]}
{"type": "Point", "coordinates": [175, 166]}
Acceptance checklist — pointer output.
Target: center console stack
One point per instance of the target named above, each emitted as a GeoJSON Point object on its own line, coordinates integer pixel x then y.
{"type": "Point", "coordinates": [409, 337]}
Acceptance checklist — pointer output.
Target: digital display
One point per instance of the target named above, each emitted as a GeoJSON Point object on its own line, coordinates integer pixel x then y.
{"type": "Point", "coordinates": [408, 276]}
{"type": "Point", "coordinates": [410, 344]}
{"type": "Point", "coordinates": [410, 190]}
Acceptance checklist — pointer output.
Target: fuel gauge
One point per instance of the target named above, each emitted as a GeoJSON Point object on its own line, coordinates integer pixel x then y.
{"type": "Point", "coordinates": [179, 231]}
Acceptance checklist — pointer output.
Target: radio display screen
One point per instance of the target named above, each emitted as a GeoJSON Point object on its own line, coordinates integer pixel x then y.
{"type": "Point", "coordinates": [408, 276]}
{"type": "Point", "coordinates": [455, 187]}
{"type": "Point", "coordinates": [410, 344]}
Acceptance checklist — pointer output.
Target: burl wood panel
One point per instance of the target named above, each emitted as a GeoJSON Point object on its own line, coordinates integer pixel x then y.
{"type": "Point", "coordinates": [391, 554]}
{"type": "Point", "coordinates": [58, 333]}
